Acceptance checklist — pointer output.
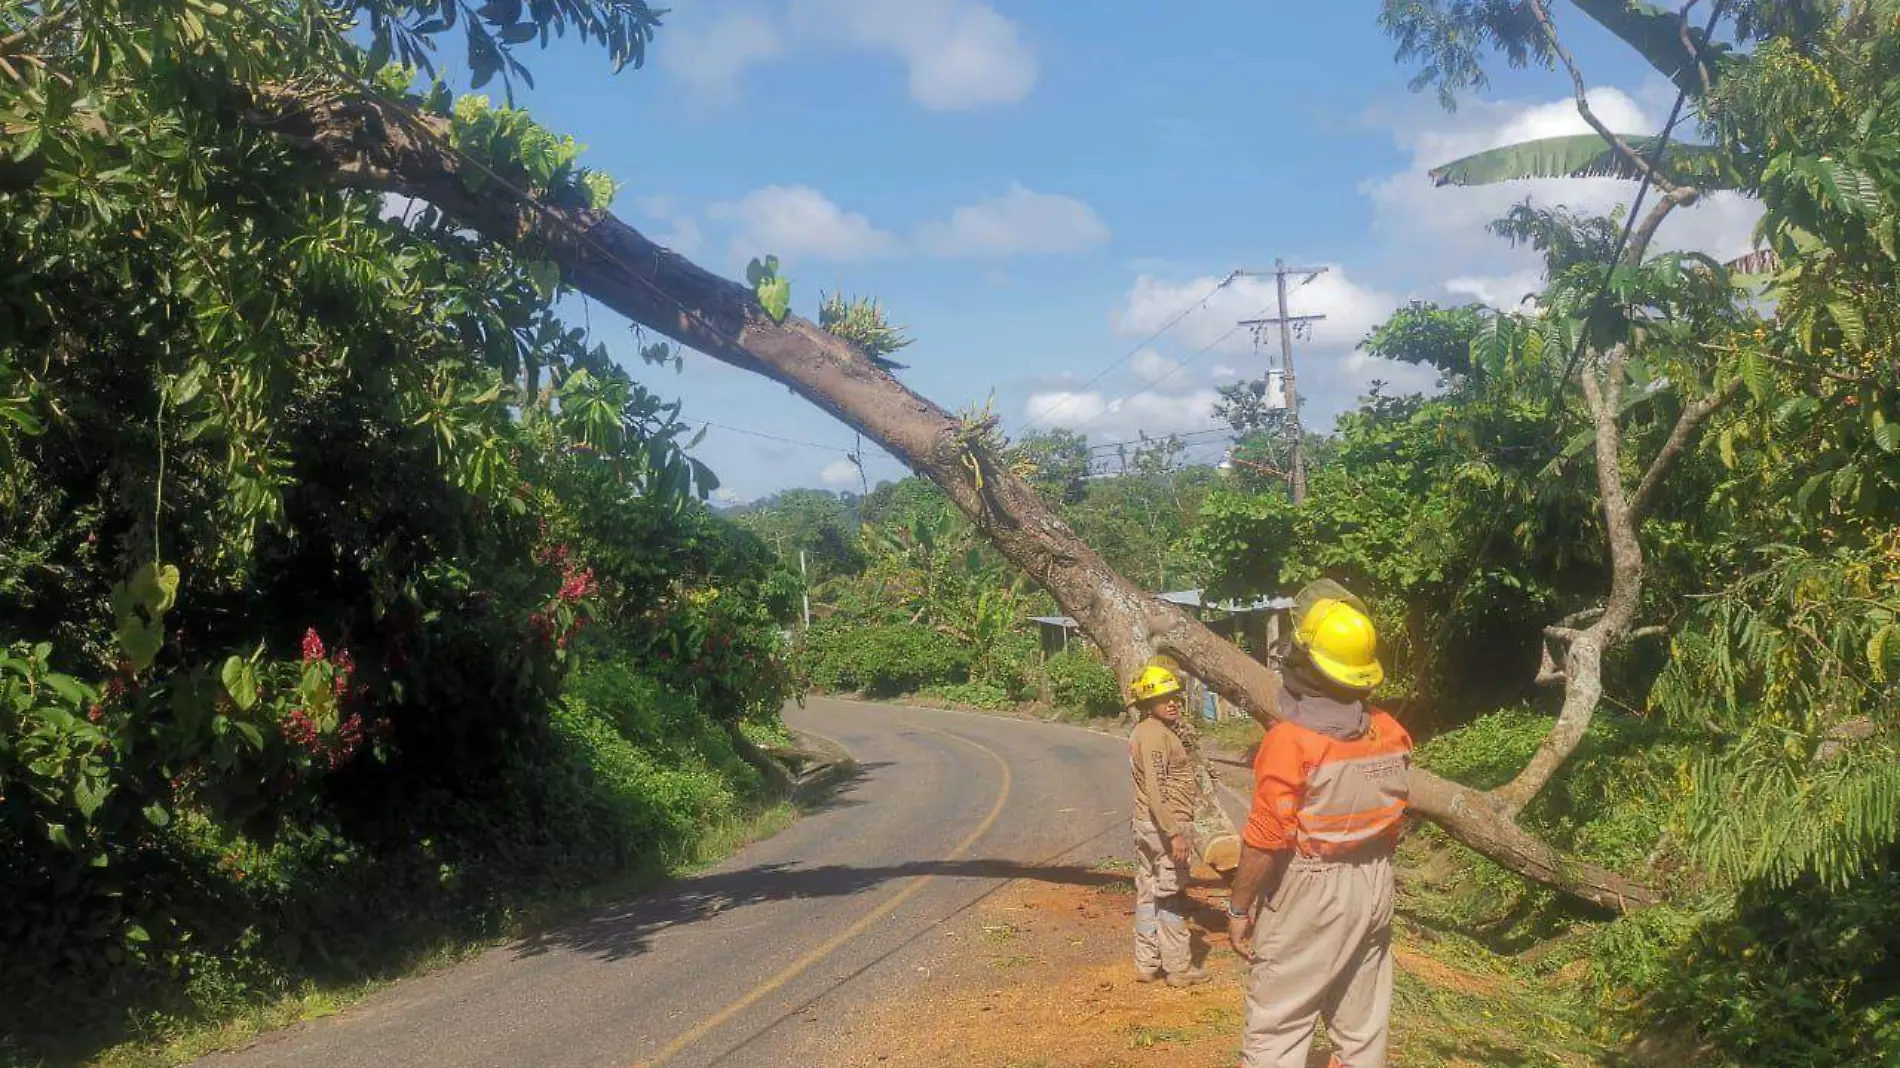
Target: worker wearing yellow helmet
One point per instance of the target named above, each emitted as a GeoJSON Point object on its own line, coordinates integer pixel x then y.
{"type": "Point", "coordinates": [1311, 906]}
{"type": "Point", "coordinates": [1165, 792]}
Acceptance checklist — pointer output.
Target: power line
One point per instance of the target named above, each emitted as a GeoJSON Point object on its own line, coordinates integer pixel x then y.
{"type": "Point", "coordinates": [1130, 354]}
{"type": "Point", "coordinates": [1162, 437]}
{"type": "Point", "coordinates": [1171, 372]}
{"type": "Point", "coordinates": [771, 437]}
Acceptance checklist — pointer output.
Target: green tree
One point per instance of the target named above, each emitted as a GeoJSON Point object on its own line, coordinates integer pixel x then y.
{"type": "Point", "coordinates": [1061, 463]}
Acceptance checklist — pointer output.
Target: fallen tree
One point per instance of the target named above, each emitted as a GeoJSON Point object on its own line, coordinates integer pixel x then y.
{"type": "Point", "coordinates": [373, 143]}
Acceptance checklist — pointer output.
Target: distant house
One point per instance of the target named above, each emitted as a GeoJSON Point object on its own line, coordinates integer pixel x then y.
{"type": "Point", "coordinates": [1253, 625]}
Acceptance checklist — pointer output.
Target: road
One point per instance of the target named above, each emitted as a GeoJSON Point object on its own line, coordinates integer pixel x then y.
{"type": "Point", "coordinates": [771, 951]}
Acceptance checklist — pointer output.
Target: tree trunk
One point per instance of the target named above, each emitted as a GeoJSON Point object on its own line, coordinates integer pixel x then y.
{"type": "Point", "coordinates": [373, 144]}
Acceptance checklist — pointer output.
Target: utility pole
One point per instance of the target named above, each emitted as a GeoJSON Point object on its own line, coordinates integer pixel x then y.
{"type": "Point", "coordinates": [1296, 474]}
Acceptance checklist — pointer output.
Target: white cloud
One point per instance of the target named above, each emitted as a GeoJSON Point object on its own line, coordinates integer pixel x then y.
{"type": "Point", "coordinates": [839, 472]}
{"type": "Point", "coordinates": [1499, 291]}
{"type": "Point", "coordinates": [727, 496]}
{"type": "Point", "coordinates": [1351, 310]}
{"type": "Point", "coordinates": [961, 54]}
{"type": "Point", "coordinates": [1150, 366]}
{"type": "Point", "coordinates": [1019, 221]}
{"type": "Point", "coordinates": [709, 57]}
{"type": "Point", "coordinates": [673, 226]}
{"type": "Point", "coordinates": [797, 220]}
{"type": "Point", "coordinates": [1332, 373]}
{"type": "Point", "coordinates": [1439, 232]}
{"type": "Point", "coordinates": [1114, 418]}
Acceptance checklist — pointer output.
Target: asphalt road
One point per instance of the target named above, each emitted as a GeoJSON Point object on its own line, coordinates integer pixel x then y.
{"type": "Point", "coordinates": [771, 951]}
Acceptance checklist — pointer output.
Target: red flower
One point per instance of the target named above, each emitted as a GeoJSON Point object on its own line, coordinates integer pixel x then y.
{"type": "Point", "coordinates": [312, 646]}
{"type": "Point", "coordinates": [578, 585]}
{"type": "Point", "coordinates": [301, 731]}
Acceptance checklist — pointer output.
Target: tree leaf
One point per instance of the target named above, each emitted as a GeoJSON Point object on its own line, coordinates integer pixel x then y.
{"type": "Point", "coordinates": [1886, 435]}
{"type": "Point", "coordinates": [1847, 317]}
{"type": "Point", "coordinates": [240, 681]}
{"type": "Point", "coordinates": [775, 295]}
{"type": "Point", "coordinates": [1877, 651]}
{"type": "Point", "coordinates": [1753, 370]}
{"type": "Point", "coordinates": [141, 641]}
{"type": "Point", "coordinates": [1584, 156]}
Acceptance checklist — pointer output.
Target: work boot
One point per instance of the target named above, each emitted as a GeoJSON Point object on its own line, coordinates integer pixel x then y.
{"type": "Point", "coordinates": [1147, 975]}
{"type": "Point", "coordinates": [1191, 977]}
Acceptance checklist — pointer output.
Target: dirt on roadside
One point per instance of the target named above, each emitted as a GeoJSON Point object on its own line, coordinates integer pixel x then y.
{"type": "Point", "coordinates": [1039, 976]}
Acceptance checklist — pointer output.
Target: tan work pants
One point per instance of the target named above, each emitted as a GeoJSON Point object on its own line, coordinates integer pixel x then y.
{"type": "Point", "coordinates": [1162, 942]}
{"type": "Point", "coordinates": [1322, 949]}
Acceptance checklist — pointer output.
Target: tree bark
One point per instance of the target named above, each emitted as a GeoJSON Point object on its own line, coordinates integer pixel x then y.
{"type": "Point", "coordinates": [1583, 661]}
{"type": "Point", "coordinates": [375, 144]}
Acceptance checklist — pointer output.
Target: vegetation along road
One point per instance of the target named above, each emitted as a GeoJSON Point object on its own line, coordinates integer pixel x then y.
{"type": "Point", "coordinates": [765, 953]}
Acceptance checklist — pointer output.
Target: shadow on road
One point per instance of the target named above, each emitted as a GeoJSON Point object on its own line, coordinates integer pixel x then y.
{"type": "Point", "coordinates": [627, 929]}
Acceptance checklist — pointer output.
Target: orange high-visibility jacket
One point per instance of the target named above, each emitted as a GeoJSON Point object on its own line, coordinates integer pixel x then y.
{"type": "Point", "coordinates": [1328, 797]}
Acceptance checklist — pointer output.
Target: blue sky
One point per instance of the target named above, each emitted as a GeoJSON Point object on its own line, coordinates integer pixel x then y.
{"type": "Point", "coordinates": [1034, 187]}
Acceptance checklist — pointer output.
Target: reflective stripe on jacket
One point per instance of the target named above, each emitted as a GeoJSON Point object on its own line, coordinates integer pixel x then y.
{"type": "Point", "coordinates": [1330, 797]}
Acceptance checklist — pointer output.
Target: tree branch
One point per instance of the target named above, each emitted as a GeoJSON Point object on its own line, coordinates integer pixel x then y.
{"type": "Point", "coordinates": [375, 144]}
{"type": "Point", "coordinates": [1678, 197]}
{"type": "Point", "coordinates": [1694, 414]}
{"type": "Point", "coordinates": [1634, 159]}
{"type": "Point", "coordinates": [38, 29]}
{"type": "Point", "coordinates": [1582, 671]}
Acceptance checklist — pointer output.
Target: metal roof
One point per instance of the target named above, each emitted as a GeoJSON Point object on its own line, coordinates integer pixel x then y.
{"type": "Point", "coordinates": [1188, 599]}
{"type": "Point", "coordinates": [1193, 599]}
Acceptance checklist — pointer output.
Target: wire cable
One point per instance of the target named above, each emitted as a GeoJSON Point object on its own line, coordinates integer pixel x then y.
{"type": "Point", "coordinates": [1131, 353]}
{"type": "Point", "coordinates": [1170, 373]}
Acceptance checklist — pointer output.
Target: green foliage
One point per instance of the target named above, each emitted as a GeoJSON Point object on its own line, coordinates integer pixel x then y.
{"type": "Point", "coordinates": [1446, 39]}
{"type": "Point", "coordinates": [1058, 462]}
{"type": "Point", "coordinates": [1802, 976]}
{"type": "Point", "coordinates": [406, 30]}
{"type": "Point", "coordinates": [861, 321]}
{"type": "Point", "coordinates": [310, 513]}
{"type": "Point", "coordinates": [1080, 683]}
{"type": "Point", "coordinates": [1587, 156]}
{"type": "Point", "coordinates": [774, 292]}
{"type": "Point", "coordinates": [884, 660]}
{"type": "Point", "coordinates": [510, 141]}
{"type": "Point", "coordinates": [624, 781]}
{"type": "Point", "coordinates": [1424, 333]}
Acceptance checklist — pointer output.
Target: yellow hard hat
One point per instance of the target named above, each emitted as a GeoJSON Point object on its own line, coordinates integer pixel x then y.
{"type": "Point", "coordinates": [1339, 638]}
{"type": "Point", "coordinates": [1154, 683]}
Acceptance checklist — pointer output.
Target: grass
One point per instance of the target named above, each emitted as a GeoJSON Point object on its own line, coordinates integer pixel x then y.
{"type": "Point", "coordinates": [181, 1044]}
{"type": "Point", "coordinates": [1460, 1000]}
{"type": "Point", "coordinates": [1236, 735]}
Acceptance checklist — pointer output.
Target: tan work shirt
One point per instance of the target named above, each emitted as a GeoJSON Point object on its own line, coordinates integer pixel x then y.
{"type": "Point", "coordinates": [1164, 778]}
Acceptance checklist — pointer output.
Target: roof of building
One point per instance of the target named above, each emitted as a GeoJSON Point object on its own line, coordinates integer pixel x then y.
{"type": "Point", "coordinates": [1188, 599]}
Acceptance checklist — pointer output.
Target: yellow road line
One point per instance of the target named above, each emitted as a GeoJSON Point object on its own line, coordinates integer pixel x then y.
{"type": "Point", "coordinates": [804, 963]}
